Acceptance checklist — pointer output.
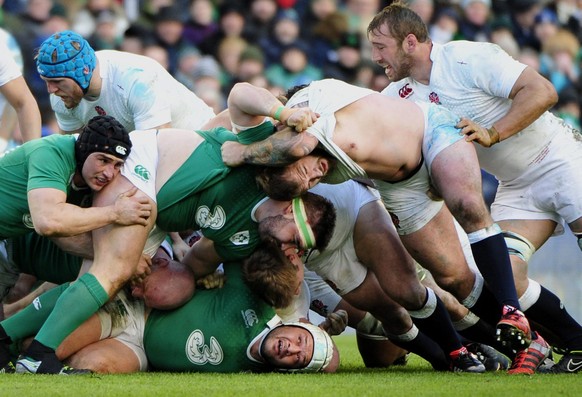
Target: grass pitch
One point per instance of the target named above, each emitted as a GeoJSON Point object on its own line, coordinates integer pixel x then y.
{"type": "Point", "coordinates": [353, 380]}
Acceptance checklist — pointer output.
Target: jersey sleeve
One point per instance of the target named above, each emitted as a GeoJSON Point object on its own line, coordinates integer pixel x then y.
{"type": "Point", "coordinates": [8, 69]}
{"type": "Point", "coordinates": [496, 71]}
{"type": "Point", "coordinates": [47, 168]}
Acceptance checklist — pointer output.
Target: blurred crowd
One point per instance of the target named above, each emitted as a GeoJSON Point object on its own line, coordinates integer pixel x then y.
{"type": "Point", "coordinates": [209, 45]}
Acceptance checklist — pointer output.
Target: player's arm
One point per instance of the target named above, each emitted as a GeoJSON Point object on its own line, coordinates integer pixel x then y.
{"type": "Point", "coordinates": [21, 99]}
{"type": "Point", "coordinates": [281, 148]}
{"type": "Point", "coordinates": [248, 106]}
{"type": "Point", "coordinates": [532, 95]}
{"type": "Point", "coordinates": [52, 216]}
{"type": "Point", "coordinates": [202, 258]}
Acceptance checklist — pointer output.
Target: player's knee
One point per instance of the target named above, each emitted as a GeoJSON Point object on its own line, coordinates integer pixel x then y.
{"type": "Point", "coordinates": [520, 246]}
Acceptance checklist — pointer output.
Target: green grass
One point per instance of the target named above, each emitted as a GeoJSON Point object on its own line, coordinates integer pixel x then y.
{"type": "Point", "coordinates": [414, 380]}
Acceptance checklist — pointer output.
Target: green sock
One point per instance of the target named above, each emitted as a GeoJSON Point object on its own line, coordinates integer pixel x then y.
{"type": "Point", "coordinates": [83, 298]}
{"type": "Point", "coordinates": [29, 320]}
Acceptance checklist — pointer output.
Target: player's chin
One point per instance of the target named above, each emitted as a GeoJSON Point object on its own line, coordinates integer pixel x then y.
{"type": "Point", "coordinates": [98, 184]}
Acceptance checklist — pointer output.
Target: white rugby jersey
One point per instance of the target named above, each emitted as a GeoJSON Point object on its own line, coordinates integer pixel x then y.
{"type": "Point", "coordinates": [10, 62]}
{"type": "Point", "coordinates": [474, 80]}
{"type": "Point", "coordinates": [139, 93]}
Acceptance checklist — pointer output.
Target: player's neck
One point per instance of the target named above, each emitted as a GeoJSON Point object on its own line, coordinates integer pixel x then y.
{"type": "Point", "coordinates": [423, 64]}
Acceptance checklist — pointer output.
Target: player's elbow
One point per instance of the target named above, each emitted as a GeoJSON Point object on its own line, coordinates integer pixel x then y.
{"type": "Point", "coordinates": [48, 227]}
{"type": "Point", "coordinates": [547, 92]}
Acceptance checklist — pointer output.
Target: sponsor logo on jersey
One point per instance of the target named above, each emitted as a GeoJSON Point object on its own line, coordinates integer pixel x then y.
{"type": "Point", "coordinates": [405, 91]}
{"type": "Point", "coordinates": [100, 111]}
{"type": "Point", "coordinates": [434, 98]}
{"type": "Point", "coordinates": [249, 317]}
{"type": "Point", "coordinates": [199, 353]}
{"type": "Point", "coordinates": [141, 172]}
{"type": "Point", "coordinates": [210, 219]}
{"type": "Point", "coordinates": [27, 221]}
{"type": "Point", "coordinates": [240, 238]}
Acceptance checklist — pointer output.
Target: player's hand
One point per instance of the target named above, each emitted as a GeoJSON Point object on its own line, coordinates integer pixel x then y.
{"type": "Point", "coordinates": [144, 268]}
{"type": "Point", "coordinates": [335, 323]}
{"type": "Point", "coordinates": [299, 118]}
{"type": "Point", "coordinates": [213, 280]}
{"type": "Point", "coordinates": [477, 133]}
{"type": "Point", "coordinates": [131, 209]}
{"type": "Point", "coordinates": [179, 247]}
{"type": "Point", "coordinates": [232, 153]}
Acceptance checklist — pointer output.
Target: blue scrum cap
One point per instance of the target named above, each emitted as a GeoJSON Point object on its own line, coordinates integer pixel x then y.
{"type": "Point", "coordinates": [67, 54]}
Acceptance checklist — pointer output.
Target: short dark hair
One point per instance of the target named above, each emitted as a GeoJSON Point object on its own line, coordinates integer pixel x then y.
{"type": "Point", "coordinates": [321, 216]}
{"type": "Point", "coordinates": [276, 183]}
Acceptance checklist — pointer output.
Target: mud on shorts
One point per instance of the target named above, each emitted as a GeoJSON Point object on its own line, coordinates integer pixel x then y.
{"type": "Point", "coordinates": [408, 202]}
{"type": "Point", "coordinates": [550, 189]}
{"type": "Point", "coordinates": [123, 319]}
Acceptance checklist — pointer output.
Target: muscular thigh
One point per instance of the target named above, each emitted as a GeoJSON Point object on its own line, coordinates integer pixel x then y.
{"type": "Point", "coordinates": [537, 231]}
{"type": "Point", "coordinates": [379, 248]}
{"type": "Point", "coordinates": [456, 175]}
{"type": "Point", "coordinates": [437, 248]}
{"type": "Point", "coordinates": [118, 248]}
{"type": "Point", "coordinates": [106, 356]}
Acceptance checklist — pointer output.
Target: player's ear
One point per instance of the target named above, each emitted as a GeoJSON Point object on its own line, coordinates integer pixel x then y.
{"type": "Point", "coordinates": [410, 43]}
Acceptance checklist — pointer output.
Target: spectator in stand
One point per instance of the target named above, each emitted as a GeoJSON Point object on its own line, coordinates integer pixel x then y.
{"type": "Point", "coordinates": [286, 30]}
{"type": "Point", "coordinates": [568, 106]}
{"type": "Point", "coordinates": [157, 53]}
{"type": "Point", "coordinates": [134, 39]}
{"type": "Point", "coordinates": [187, 61]}
{"type": "Point", "coordinates": [294, 68]}
{"type": "Point", "coordinates": [348, 59]}
{"type": "Point", "coordinates": [501, 34]}
{"type": "Point", "coordinates": [559, 59]}
{"type": "Point", "coordinates": [261, 18]}
{"type": "Point", "coordinates": [207, 78]}
{"type": "Point", "coordinates": [251, 64]}
{"type": "Point", "coordinates": [317, 12]}
{"type": "Point", "coordinates": [475, 25]}
{"type": "Point", "coordinates": [105, 36]}
{"type": "Point", "coordinates": [229, 51]}
{"type": "Point", "coordinates": [231, 24]}
{"type": "Point", "coordinates": [523, 13]}
{"type": "Point", "coordinates": [201, 24]}
{"type": "Point", "coordinates": [546, 25]}
{"type": "Point", "coordinates": [424, 8]}
{"type": "Point", "coordinates": [445, 26]}
{"type": "Point", "coordinates": [86, 20]}
{"type": "Point", "coordinates": [168, 31]}
{"type": "Point", "coordinates": [325, 36]}
{"type": "Point", "coordinates": [360, 13]}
